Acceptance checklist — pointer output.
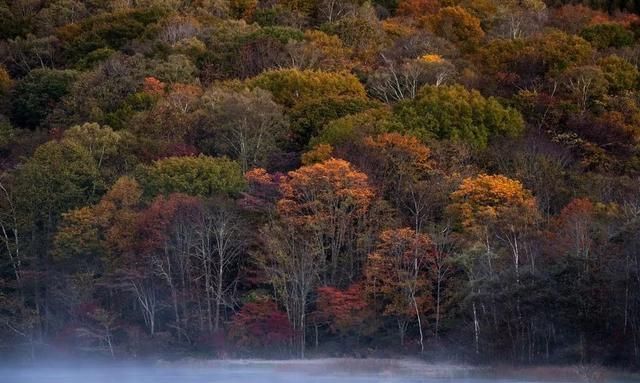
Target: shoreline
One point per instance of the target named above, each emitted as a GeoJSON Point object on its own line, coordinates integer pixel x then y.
{"type": "Point", "coordinates": [400, 367]}
{"type": "Point", "coordinates": [430, 370]}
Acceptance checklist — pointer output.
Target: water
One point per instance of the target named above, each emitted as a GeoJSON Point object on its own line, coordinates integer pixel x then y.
{"type": "Point", "coordinates": [326, 371]}
{"type": "Point", "coordinates": [189, 375]}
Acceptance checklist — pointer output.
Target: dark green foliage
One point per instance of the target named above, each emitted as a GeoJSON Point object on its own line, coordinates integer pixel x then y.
{"type": "Point", "coordinates": [355, 127]}
{"type": "Point", "coordinates": [308, 118]}
{"type": "Point", "coordinates": [106, 94]}
{"type": "Point", "coordinates": [282, 34]}
{"type": "Point", "coordinates": [94, 58]}
{"type": "Point", "coordinates": [389, 5]}
{"type": "Point", "coordinates": [12, 25]}
{"type": "Point", "coordinates": [621, 74]}
{"type": "Point", "coordinates": [608, 35]}
{"type": "Point", "coordinates": [605, 5]}
{"type": "Point", "coordinates": [110, 31]}
{"type": "Point", "coordinates": [37, 94]}
{"type": "Point", "coordinates": [59, 177]}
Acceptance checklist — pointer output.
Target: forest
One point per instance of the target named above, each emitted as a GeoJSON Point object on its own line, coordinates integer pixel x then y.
{"type": "Point", "coordinates": [449, 180]}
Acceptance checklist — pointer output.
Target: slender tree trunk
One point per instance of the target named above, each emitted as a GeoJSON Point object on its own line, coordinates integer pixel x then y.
{"type": "Point", "coordinates": [438, 288]}
{"type": "Point", "coordinates": [415, 305]}
{"type": "Point", "coordinates": [402, 328]}
{"type": "Point", "coordinates": [317, 337]}
{"type": "Point", "coordinates": [209, 308]}
{"type": "Point", "coordinates": [476, 329]}
{"type": "Point", "coordinates": [302, 334]}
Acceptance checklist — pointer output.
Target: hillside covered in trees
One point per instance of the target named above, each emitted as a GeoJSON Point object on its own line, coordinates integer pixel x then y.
{"type": "Point", "coordinates": [447, 179]}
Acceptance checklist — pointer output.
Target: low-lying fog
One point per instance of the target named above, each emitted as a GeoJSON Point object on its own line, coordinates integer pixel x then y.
{"type": "Point", "coordinates": [315, 371]}
{"type": "Point", "coordinates": [235, 374]}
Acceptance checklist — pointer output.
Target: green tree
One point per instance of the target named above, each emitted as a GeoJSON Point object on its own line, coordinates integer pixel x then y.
{"type": "Point", "coordinates": [584, 85]}
{"type": "Point", "coordinates": [355, 127]}
{"type": "Point", "coordinates": [199, 176]}
{"type": "Point", "coordinates": [35, 95]}
{"type": "Point", "coordinates": [292, 86]}
{"type": "Point", "coordinates": [453, 112]}
{"type": "Point", "coordinates": [60, 176]}
{"type": "Point", "coordinates": [620, 73]}
{"type": "Point", "coordinates": [362, 33]}
{"type": "Point", "coordinates": [607, 35]}
{"type": "Point", "coordinates": [105, 94]}
{"type": "Point", "coordinates": [106, 30]}
{"type": "Point", "coordinates": [308, 117]}
{"type": "Point", "coordinates": [112, 151]}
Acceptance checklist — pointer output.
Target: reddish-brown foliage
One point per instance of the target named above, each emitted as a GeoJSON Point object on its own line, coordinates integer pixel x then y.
{"type": "Point", "coordinates": [344, 310]}
{"type": "Point", "coordinates": [260, 324]}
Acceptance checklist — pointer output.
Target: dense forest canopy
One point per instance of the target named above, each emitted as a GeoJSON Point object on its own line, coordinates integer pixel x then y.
{"type": "Point", "coordinates": [448, 179]}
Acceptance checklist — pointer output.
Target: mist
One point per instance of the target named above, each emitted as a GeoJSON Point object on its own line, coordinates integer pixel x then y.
{"type": "Point", "coordinates": [320, 371]}
{"type": "Point", "coordinates": [303, 371]}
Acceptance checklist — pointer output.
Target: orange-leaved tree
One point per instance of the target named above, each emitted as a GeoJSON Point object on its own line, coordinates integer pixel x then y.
{"type": "Point", "coordinates": [457, 25]}
{"type": "Point", "coordinates": [407, 174]}
{"type": "Point", "coordinates": [417, 8]}
{"type": "Point", "coordinates": [494, 206]}
{"type": "Point", "coordinates": [397, 275]}
{"type": "Point", "coordinates": [329, 200]}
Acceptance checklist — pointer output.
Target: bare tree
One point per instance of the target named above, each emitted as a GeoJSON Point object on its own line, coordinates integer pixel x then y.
{"type": "Point", "coordinates": [443, 244]}
{"type": "Point", "coordinates": [332, 10]}
{"type": "Point", "coordinates": [219, 243]}
{"type": "Point", "coordinates": [21, 321]}
{"type": "Point", "coordinates": [10, 237]}
{"type": "Point", "coordinates": [178, 28]}
{"type": "Point", "coordinates": [584, 84]}
{"type": "Point", "coordinates": [24, 54]}
{"type": "Point", "coordinates": [398, 81]}
{"type": "Point", "coordinates": [101, 328]}
{"type": "Point", "coordinates": [145, 293]}
{"type": "Point", "coordinates": [248, 124]}
{"type": "Point", "coordinates": [520, 18]}
{"type": "Point", "coordinates": [292, 263]}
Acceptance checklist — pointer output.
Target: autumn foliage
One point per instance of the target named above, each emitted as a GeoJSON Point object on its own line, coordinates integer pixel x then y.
{"type": "Point", "coordinates": [344, 310]}
{"type": "Point", "coordinates": [488, 199]}
{"type": "Point", "coordinates": [445, 179]}
{"type": "Point", "coordinates": [397, 272]}
{"type": "Point", "coordinates": [260, 325]}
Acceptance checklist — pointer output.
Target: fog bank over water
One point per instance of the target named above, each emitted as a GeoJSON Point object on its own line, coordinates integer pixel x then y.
{"type": "Point", "coordinates": [308, 371]}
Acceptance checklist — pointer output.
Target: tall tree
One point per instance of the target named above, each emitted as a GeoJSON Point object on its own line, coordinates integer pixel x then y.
{"type": "Point", "coordinates": [329, 199]}
{"type": "Point", "coordinates": [246, 125]}
{"type": "Point", "coordinates": [398, 273]}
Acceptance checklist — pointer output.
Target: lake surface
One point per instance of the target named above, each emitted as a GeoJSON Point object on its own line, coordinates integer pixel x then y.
{"type": "Point", "coordinates": [323, 371]}
{"type": "Point", "coordinates": [191, 375]}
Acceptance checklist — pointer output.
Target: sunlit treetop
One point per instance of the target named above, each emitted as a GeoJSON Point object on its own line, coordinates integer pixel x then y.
{"type": "Point", "coordinates": [431, 58]}
{"type": "Point", "coordinates": [292, 86]}
{"type": "Point", "coordinates": [488, 199]}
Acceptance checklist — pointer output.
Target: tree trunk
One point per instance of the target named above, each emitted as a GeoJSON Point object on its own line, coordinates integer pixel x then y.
{"type": "Point", "coordinates": [216, 325]}
{"type": "Point", "coordinates": [439, 284]}
{"type": "Point", "coordinates": [415, 305]}
{"type": "Point", "coordinates": [476, 329]}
